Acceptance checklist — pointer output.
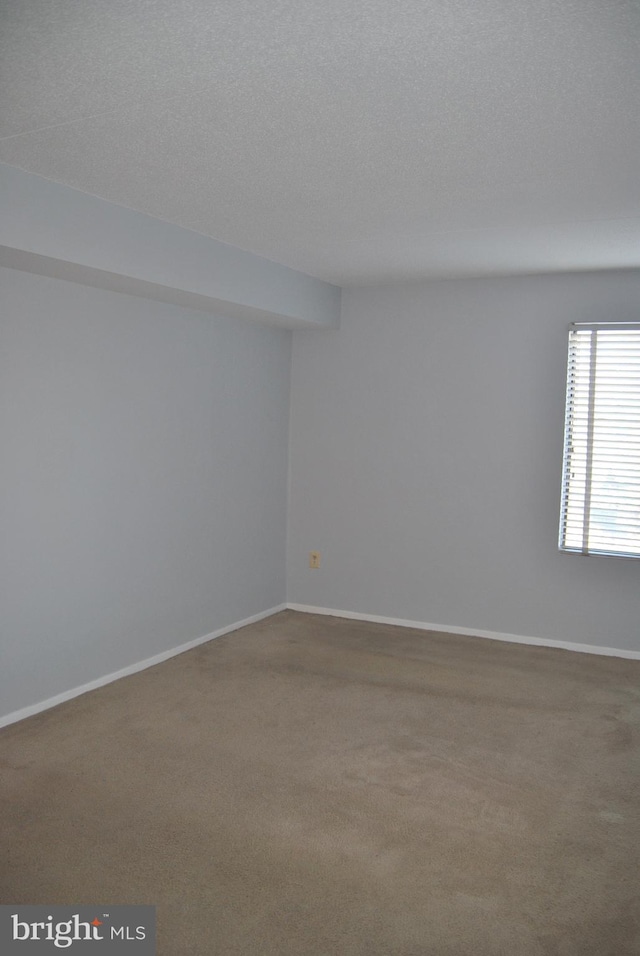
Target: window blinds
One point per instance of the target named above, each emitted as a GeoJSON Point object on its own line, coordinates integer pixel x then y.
{"type": "Point", "coordinates": [601, 475]}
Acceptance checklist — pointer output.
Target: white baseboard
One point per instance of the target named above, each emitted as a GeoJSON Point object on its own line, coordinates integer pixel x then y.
{"type": "Point", "coordinates": [470, 632]}
{"type": "Point", "coordinates": [133, 668]}
{"type": "Point", "coordinates": [25, 712]}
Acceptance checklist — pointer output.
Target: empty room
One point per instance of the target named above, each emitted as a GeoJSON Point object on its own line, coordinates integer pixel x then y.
{"type": "Point", "coordinates": [320, 477]}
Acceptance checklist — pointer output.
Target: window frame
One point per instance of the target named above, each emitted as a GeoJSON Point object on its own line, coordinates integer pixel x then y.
{"type": "Point", "coordinates": [589, 449]}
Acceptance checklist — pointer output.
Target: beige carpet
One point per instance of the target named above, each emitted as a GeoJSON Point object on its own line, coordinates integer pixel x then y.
{"type": "Point", "coordinates": [310, 785]}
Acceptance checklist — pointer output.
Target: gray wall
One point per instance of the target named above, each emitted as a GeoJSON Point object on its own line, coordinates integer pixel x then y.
{"type": "Point", "coordinates": [143, 471]}
{"type": "Point", "coordinates": [426, 446]}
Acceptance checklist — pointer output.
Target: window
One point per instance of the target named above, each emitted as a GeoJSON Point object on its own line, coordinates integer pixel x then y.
{"type": "Point", "coordinates": [601, 476]}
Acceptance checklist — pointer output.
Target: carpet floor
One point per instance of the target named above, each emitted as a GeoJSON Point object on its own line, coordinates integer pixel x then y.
{"type": "Point", "coordinates": [311, 786]}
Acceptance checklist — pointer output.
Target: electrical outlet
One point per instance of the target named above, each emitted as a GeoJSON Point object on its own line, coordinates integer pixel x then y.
{"type": "Point", "coordinates": [314, 559]}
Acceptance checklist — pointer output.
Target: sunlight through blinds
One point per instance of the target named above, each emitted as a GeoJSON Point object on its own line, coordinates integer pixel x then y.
{"type": "Point", "coordinates": [601, 475]}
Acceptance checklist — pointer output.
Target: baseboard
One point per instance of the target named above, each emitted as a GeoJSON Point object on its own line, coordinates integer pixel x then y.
{"type": "Point", "coordinates": [470, 632]}
{"type": "Point", "coordinates": [24, 712]}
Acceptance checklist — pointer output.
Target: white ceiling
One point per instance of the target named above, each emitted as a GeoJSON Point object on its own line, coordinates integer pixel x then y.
{"type": "Point", "coordinates": [355, 140]}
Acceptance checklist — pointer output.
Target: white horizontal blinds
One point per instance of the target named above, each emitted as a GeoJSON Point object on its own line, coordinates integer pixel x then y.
{"type": "Point", "coordinates": [601, 478]}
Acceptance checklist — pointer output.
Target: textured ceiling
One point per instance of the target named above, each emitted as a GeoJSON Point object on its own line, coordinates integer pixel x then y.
{"type": "Point", "coordinates": [355, 140]}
